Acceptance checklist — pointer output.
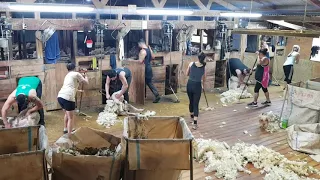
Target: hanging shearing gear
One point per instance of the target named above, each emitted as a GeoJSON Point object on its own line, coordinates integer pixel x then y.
{"type": "Point", "coordinates": [167, 29]}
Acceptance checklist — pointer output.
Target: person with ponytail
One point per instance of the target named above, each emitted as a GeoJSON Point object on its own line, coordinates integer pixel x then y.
{"type": "Point", "coordinates": [262, 78]}
{"type": "Point", "coordinates": [67, 96]}
{"type": "Point", "coordinates": [197, 75]}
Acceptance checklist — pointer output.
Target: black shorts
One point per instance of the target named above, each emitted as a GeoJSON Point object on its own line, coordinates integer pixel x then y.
{"type": "Point", "coordinates": [258, 86]}
{"type": "Point", "coordinates": [67, 105]}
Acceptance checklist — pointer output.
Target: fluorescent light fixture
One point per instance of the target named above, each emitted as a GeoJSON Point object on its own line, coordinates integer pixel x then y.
{"type": "Point", "coordinates": [286, 24]}
{"type": "Point", "coordinates": [49, 8]}
{"type": "Point", "coordinates": [248, 15]}
{"type": "Point", "coordinates": [177, 12]}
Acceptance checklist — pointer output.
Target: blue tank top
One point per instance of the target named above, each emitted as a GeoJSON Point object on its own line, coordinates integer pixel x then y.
{"type": "Point", "coordinates": [126, 70]}
{"type": "Point", "coordinates": [196, 73]}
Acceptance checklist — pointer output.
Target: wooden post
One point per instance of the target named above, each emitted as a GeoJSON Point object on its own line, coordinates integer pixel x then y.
{"type": "Point", "coordinates": [201, 40]}
{"type": "Point", "coordinates": [39, 47]}
{"type": "Point", "coordinates": [146, 35]}
{"type": "Point", "coordinates": [75, 43]}
{"type": "Point", "coordinates": [243, 45]}
{"type": "Point", "coordinates": [97, 16]}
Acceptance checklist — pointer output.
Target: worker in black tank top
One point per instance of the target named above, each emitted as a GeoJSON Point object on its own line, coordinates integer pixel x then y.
{"type": "Point", "coordinates": [196, 73]}
{"type": "Point", "coordinates": [145, 56]}
{"type": "Point", "coordinates": [122, 74]}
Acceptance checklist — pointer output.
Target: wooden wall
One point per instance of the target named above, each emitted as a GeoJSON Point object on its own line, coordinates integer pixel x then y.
{"type": "Point", "coordinates": [210, 68]}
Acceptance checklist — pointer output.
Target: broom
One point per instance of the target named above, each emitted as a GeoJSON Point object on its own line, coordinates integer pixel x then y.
{"type": "Point", "coordinates": [205, 96]}
{"type": "Point", "coordinates": [78, 110]}
{"type": "Point", "coordinates": [246, 84]}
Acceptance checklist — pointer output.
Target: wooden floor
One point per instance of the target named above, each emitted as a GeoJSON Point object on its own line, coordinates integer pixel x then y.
{"type": "Point", "coordinates": [239, 119]}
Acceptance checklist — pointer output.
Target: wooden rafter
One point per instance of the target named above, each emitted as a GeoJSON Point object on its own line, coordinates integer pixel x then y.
{"type": "Point", "coordinates": [315, 3]}
{"type": "Point", "coordinates": [209, 4]}
{"type": "Point", "coordinates": [100, 4]}
{"type": "Point", "coordinates": [25, 1]}
{"type": "Point", "coordinates": [226, 5]}
{"type": "Point", "coordinates": [158, 4]}
{"type": "Point", "coordinates": [200, 5]}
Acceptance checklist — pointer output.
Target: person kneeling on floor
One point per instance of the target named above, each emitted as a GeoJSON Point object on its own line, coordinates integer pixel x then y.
{"type": "Point", "coordinates": [29, 90]}
{"type": "Point", "coordinates": [262, 78]}
{"type": "Point", "coordinates": [67, 96]}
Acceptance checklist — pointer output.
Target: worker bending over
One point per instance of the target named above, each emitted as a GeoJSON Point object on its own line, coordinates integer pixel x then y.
{"type": "Point", "coordinates": [29, 90]}
{"type": "Point", "coordinates": [236, 68]}
{"type": "Point", "coordinates": [122, 74]}
{"type": "Point", "coordinates": [145, 56]}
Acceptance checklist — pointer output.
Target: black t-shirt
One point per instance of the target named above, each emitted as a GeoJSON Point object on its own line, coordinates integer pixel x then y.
{"type": "Point", "coordinates": [235, 64]}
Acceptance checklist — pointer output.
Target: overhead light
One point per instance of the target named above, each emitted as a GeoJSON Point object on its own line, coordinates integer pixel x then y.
{"type": "Point", "coordinates": [248, 15]}
{"type": "Point", "coordinates": [286, 24]}
{"type": "Point", "coordinates": [177, 12]}
{"type": "Point", "coordinates": [50, 8]}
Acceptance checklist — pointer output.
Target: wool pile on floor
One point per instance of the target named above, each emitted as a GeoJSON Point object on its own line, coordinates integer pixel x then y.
{"type": "Point", "coordinates": [234, 92]}
{"type": "Point", "coordinates": [109, 116]}
{"type": "Point", "coordinates": [269, 121]}
{"type": "Point", "coordinates": [227, 161]}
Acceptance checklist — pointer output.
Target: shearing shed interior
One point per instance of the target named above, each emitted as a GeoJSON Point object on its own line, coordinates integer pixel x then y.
{"type": "Point", "coordinates": [159, 89]}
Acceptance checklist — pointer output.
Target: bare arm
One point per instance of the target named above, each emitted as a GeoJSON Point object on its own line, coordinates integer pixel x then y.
{"type": "Point", "coordinates": [124, 83]}
{"type": "Point", "coordinates": [142, 56]}
{"type": "Point", "coordinates": [152, 55]}
{"type": "Point", "coordinates": [37, 102]}
{"type": "Point", "coordinates": [297, 59]}
{"type": "Point", "coordinates": [83, 78]}
{"type": "Point", "coordinates": [204, 77]}
{"type": "Point", "coordinates": [107, 87]}
{"type": "Point", "coordinates": [188, 69]}
{"type": "Point", "coordinates": [10, 100]}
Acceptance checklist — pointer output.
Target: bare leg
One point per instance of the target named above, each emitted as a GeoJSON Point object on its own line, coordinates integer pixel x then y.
{"type": "Point", "coordinates": [267, 96]}
{"type": "Point", "coordinates": [255, 97]}
{"type": "Point", "coordinates": [65, 119]}
{"type": "Point", "coordinates": [70, 121]}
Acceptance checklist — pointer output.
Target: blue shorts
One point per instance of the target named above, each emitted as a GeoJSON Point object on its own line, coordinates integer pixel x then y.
{"type": "Point", "coordinates": [67, 105]}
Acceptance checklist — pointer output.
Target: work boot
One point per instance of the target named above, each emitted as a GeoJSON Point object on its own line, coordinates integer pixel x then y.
{"type": "Point", "coordinates": [157, 99]}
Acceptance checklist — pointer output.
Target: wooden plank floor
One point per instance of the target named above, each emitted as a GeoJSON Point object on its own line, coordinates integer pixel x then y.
{"type": "Point", "coordinates": [236, 122]}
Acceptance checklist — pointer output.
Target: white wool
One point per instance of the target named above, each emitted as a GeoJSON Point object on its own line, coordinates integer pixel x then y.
{"type": "Point", "coordinates": [226, 161]}
{"type": "Point", "coordinates": [116, 107]}
{"type": "Point", "coordinates": [269, 121]}
{"type": "Point", "coordinates": [22, 120]}
{"type": "Point", "coordinates": [208, 178]}
{"type": "Point", "coordinates": [234, 93]}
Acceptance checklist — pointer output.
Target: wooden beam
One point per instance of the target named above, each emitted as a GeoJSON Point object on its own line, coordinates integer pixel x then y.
{"type": "Point", "coordinates": [79, 24]}
{"type": "Point", "coordinates": [162, 3]}
{"type": "Point", "coordinates": [39, 47]}
{"type": "Point", "coordinates": [25, 1]}
{"type": "Point", "coordinates": [272, 32]}
{"type": "Point", "coordinates": [209, 4]}
{"type": "Point", "coordinates": [100, 4]}
{"type": "Point", "coordinates": [158, 4]}
{"type": "Point", "coordinates": [227, 5]}
{"type": "Point", "coordinates": [200, 4]}
{"type": "Point", "coordinates": [315, 3]}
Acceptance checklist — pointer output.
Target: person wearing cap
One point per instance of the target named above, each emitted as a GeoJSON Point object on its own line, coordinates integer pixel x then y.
{"type": "Point", "coordinates": [236, 68]}
{"type": "Point", "coordinates": [67, 95]}
{"type": "Point", "coordinates": [29, 90]}
{"type": "Point", "coordinates": [146, 56]}
{"type": "Point", "coordinates": [122, 74]}
{"type": "Point", "coordinates": [292, 58]}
